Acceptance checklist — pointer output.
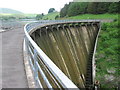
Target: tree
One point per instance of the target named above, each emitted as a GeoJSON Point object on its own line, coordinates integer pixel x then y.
{"type": "Point", "coordinates": [39, 16]}
{"type": "Point", "coordinates": [57, 16]}
{"type": "Point", "coordinates": [92, 7]}
{"type": "Point", "coordinates": [77, 8]}
{"type": "Point", "coordinates": [51, 10]}
{"type": "Point", "coordinates": [63, 11]}
{"type": "Point", "coordinates": [113, 8]}
{"type": "Point", "coordinates": [103, 7]}
{"type": "Point", "coordinates": [42, 14]}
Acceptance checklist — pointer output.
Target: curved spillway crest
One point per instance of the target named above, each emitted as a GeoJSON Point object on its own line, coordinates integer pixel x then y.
{"type": "Point", "coordinates": [70, 46]}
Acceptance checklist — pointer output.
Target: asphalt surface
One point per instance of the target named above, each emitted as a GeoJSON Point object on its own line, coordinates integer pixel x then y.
{"type": "Point", "coordinates": [13, 71]}
{"type": "Point", "coordinates": [0, 61]}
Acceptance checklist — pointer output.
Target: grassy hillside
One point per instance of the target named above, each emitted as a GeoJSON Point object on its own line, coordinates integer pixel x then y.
{"type": "Point", "coordinates": [92, 16]}
{"type": "Point", "coordinates": [11, 11]}
{"type": "Point", "coordinates": [30, 15]}
{"type": "Point", "coordinates": [107, 56]}
{"type": "Point", "coordinates": [7, 16]}
{"type": "Point", "coordinates": [50, 16]}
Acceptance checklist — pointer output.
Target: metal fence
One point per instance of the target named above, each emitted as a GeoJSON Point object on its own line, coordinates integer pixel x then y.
{"type": "Point", "coordinates": [46, 73]}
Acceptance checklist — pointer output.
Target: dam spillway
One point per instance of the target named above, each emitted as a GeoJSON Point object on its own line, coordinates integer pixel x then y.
{"type": "Point", "coordinates": [70, 46]}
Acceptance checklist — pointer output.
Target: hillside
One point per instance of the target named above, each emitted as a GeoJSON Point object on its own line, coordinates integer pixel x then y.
{"type": "Point", "coordinates": [50, 16]}
{"type": "Point", "coordinates": [11, 11]}
{"type": "Point", "coordinates": [94, 16]}
{"type": "Point", "coordinates": [7, 14]}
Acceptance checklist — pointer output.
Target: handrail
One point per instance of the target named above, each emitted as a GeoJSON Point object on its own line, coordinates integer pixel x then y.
{"type": "Point", "coordinates": [58, 74]}
{"type": "Point", "coordinates": [64, 81]}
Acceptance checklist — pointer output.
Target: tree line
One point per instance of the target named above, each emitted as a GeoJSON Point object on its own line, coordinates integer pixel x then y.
{"type": "Point", "coordinates": [40, 16]}
{"type": "Point", "coordinates": [77, 8]}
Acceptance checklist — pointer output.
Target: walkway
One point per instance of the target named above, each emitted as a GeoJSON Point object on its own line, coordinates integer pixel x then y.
{"type": "Point", "coordinates": [13, 73]}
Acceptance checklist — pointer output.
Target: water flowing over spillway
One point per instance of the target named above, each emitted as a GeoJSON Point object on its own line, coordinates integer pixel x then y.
{"type": "Point", "coordinates": [70, 47]}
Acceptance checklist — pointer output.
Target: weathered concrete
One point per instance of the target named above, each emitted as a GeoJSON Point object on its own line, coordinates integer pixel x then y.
{"type": "Point", "coordinates": [13, 73]}
{"type": "Point", "coordinates": [28, 69]}
{"type": "Point", "coordinates": [0, 61]}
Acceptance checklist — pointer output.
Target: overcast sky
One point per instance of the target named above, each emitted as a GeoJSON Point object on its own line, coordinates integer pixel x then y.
{"type": "Point", "coordinates": [33, 6]}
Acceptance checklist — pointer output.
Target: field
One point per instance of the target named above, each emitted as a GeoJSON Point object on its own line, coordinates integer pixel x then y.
{"type": "Point", "coordinates": [16, 16]}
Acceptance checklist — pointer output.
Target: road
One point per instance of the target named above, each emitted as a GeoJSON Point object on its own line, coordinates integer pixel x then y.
{"type": "Point", "coordinates": [13, 72]}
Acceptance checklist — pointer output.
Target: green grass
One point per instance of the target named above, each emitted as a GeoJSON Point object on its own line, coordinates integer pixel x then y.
{"type": "Point", "coordinates": [9, 15]}
{"type": "Point", "coordinates": [91, 16]}
{"type": "Point", "coordinates": [30, 15]}
{"type": "Point", "coordinates": [107, 54]}
{"type": "Point", "coordinates": [5, 14]}
{"type": "Point", "coordinates": [50, 16]}
{"type": "Point", "coordinates": [16, 16]}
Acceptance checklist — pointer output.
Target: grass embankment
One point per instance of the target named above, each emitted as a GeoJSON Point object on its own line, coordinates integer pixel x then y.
{"type": "Point", "coordinates": [92, 16]}
{"type": "Point", "coordinates": [107, 56]}
{"type": "Point", "coordinates": [50, 16]}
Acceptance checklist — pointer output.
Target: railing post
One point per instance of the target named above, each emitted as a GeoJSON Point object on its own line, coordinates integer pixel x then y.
{"type": "Point", "coordinates": [36, 67]}
{"type": "Point", "coordinates": [37, 54]}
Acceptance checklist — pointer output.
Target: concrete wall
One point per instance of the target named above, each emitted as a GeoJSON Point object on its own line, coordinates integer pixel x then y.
{"type": "Point", "coordinates": [70, 47]}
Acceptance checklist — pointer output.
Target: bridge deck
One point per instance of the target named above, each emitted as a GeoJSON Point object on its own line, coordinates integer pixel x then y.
{"type": "Point", "coordinates": [13, 73]}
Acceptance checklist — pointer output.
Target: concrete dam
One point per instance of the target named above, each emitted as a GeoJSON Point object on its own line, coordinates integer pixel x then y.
{"type": "Point", "coordinates": [70, 46]}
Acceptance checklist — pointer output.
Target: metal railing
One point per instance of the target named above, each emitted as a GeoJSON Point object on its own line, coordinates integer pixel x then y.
{"type": "Point", "coordinates": [42, 66]}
